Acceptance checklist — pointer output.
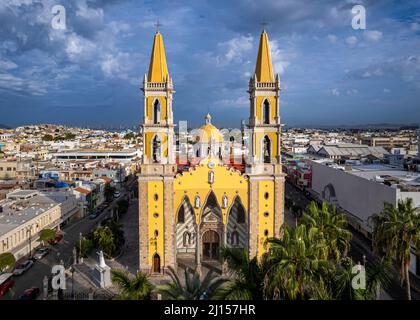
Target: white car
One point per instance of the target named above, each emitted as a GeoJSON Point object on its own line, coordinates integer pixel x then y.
{"type": "Point", "coordinates": [41, 253]}
{"type": "Point", "coordinates": [23, 267]}
{"type": "Point", "coordinates": [116, 194]}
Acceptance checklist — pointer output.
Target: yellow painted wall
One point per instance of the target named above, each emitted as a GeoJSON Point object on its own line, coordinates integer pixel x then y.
{"type": "Point", "coordinates": [195, 182]}
{"type": "Point", "coordinates": [148, 144]}
{"type": "Point", "coordinates": [259, 143]}
{"type": "Point", "coordinates": [156, 223]}
{"type": "Point", "coordinates": [265, 205]}
{"type": "Point", "coordinates": [150, 102]}
{"type": "Point", "coordinates": [273, 107]}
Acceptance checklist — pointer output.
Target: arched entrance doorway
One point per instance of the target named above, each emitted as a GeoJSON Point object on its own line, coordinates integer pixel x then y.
{"type": "Point", "coordinates": [211, 245]}
{"type": "Point", "coordinates": [156, 263]}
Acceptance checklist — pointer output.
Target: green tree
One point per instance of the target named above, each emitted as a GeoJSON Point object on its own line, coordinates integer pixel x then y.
{"type": "Point", "coordinates": [122, 206]}
{"type": "Point", "coordinates": [395, 230]}
{"type": "Point", "coordinates": [193, 287]}
{"type": "Point", "coordinates": [132, 288]}
{"type": "Point", "coordinates": [46, 235]}
{"type": "Point", "coordinates": [378, 276]}
{"type": "Point", "coordinates": [246, 276]}
{"type": "Point", "coordinates": [109, 237]}
{"type": "Point", "coordinates": [7, 261]}
{"type": "Point", "coordinates": [129, 136]}
{"type": "Point", "coordinates": [297, 264]}
{"type": "Point", "coordinates": [86, 247]}
{"type": "Point", "coordinates": [47, 137]}
{"type": "Point", "coordinates": [105, 240]}
{"type": "Point", "coordinates": [109, 192]}
{"type": "Point", "coordinates": [331, 226]}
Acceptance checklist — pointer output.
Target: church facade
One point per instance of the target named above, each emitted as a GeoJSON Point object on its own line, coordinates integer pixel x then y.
{"type": "Point", "coordinates": [186, 217]}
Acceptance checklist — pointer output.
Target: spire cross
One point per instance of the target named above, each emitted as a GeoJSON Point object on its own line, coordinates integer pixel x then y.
{"type": "Point", "coordinates": [157, 25]}
{"type": "Point", "coordinates": [264, 23]}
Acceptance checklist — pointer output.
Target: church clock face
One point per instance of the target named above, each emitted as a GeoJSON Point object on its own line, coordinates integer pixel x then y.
{"type": "Point", "coordinates": [211, 165]}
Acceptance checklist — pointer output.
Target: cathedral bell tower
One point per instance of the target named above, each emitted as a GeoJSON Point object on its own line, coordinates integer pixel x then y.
{"type": "Point", "coordinates": [266, 180]}
{"type": "Point", "coordinates": [158, 165]}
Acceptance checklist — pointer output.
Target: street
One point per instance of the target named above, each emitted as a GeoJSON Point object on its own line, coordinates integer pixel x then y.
{"type": "Point", "coordinates": [62, 251]}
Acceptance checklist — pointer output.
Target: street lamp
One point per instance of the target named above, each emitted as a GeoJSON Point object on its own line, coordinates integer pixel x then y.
{"type": "Point", "coordinates": [80, 248]}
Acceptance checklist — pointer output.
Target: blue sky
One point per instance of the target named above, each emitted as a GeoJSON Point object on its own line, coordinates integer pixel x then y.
{"type": "Point", "coordinates": [90, 73]}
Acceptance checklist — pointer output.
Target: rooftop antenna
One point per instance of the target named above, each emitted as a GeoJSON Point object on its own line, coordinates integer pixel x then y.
{"type": "Point", "coordinates": [158, 25]}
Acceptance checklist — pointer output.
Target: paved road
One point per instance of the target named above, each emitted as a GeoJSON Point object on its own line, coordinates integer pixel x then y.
{"type": "Point", "coordinates": [62, 251]}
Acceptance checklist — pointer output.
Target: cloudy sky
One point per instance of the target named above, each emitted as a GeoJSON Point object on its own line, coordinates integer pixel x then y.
{"type": "Point", "coordinates": [90, 73]}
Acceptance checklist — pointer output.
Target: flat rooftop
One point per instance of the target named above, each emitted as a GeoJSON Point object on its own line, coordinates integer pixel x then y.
{"type": "Point", "coordinates": [18, 212]}
{"type": "Point", "coordinates": [381, 173]}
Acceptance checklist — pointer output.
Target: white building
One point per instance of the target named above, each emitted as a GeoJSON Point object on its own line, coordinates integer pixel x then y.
{"type": "Point", "coordinates": [24, 213]}
{"type": "Point", "coordinates": [361, 190]}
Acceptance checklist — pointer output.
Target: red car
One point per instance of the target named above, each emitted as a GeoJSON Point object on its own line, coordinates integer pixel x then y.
{"type": "Point", "coordinates": [30, 294]}
{"type": "Point", "coordinates": [57, 239]}
{"type": "Point", "coordinates": [6, 283]}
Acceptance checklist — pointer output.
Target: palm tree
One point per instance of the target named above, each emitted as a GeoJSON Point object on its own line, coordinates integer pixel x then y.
{"type": "Point", "coordinates": [378, 276]}
{"type": "Point", "coordinates": [193, 288]}
{"type": "Point", "coordinates": [247, 276]}
{"type": "Point", "coordinates": [132, 288]}
{"type": "Point", "coordinates": [297, 264]}
{"type": "Point", "coordinates": [331, 226]}
{"type": "Point", "coordinates": [395, 230]}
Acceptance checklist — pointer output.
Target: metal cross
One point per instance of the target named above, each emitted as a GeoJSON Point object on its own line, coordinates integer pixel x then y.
{"type": "Point", "coordinates": [157, 25]}
{"type": "Point", "coordinates": [264, 23]}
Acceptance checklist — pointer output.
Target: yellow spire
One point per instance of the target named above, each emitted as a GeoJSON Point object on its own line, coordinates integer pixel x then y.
{"type": "Point", "coordinates": [158, 70]}
{"type": "Point", "coordinates": [264, 67]}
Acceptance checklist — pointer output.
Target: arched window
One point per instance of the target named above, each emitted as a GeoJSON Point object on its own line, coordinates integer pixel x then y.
{"type": "Point", "coordinates": [181, 214]}
{"type": "Point", "coordinates": [241, 214]}
{"type": "Point", "coordinates": [156, 263]}
{"type": "Point", "coordinates": [156, 112]}
{"type": "Point", "coordinates": [156, 149]}
{"type": "Point", "coordinates": [266, 112]}
{"type": "Point", "coordinates": [267, 150]}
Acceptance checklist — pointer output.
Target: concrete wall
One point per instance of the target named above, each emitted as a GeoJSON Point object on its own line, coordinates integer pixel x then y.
{"type": "Point", "coordinates": [359, 196]}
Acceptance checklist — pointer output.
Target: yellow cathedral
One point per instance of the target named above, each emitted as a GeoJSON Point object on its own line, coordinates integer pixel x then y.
{"type": "Point", "coordinates": [186, 217]}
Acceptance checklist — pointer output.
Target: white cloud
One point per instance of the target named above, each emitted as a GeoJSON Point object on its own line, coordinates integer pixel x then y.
{"type": "Point", "coordinates": [78, 47]}
{"type": "Point", "coordinates": [11, 83]}
{"type": "Point", "coordinates": [351, 41]}
{"type": "Point", "coordinates": [351, 92]}
{"type": "Point", "coordinates": [7, 65]}
{"type": "Point", "coordinates": [372, 35]}
{"type": "Point", "coordinates": [240, 102]}
{"type": "Point", "coordinates": [415, 26]}
{"type": "Point", "coordinates": [235, 49]}
{"type": "Point", "coordinates": [332, 38]}
{"type": "Point", "coordinates": [386, 90]}
{"type": "Point", "coordinates": [335, 92]}
{"type": "Point", "coordinates": [281, 58]}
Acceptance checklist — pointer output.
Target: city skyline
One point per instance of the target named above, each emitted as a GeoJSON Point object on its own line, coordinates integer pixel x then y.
{"type": "Point", "coordinates": [89, 74]}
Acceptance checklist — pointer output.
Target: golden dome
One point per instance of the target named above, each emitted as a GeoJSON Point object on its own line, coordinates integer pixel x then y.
{"type": "Point", "coordinates": [209, 133]}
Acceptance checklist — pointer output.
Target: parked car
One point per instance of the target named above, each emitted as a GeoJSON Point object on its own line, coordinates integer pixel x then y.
{"type": "Point", "coordinates": [30, 294]}
{"type": "Point", "coordinates": [117, 194]}
{"type": "Point", "coordinates": [93, 216]}
{"type": "Point", "coordinates": [57, 239]}
{"type": "Point", "coordinates": [23, 267]}
{"type": "Point", "coordinates": [41, 253]}
{"type": "Point", "coordinates": [6, 283]}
